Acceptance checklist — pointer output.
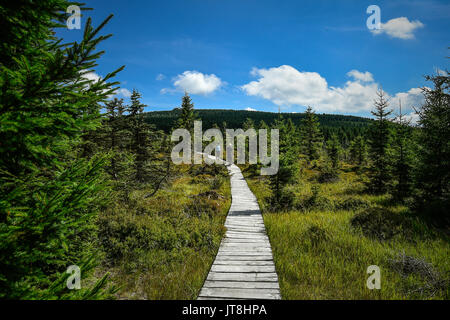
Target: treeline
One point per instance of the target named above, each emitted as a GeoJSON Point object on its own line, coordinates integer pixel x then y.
{"type": "Point", "coordinates": [345, 127]}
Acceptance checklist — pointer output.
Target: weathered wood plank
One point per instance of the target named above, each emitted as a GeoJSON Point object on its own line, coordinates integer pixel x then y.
{"type": "Point", "coordinates": [261, 257]}
{"type": "Point", "coordinates": [243, 262]}
{"type": "Point", "coordinates": [271, 277]}
{"type": "Point", "coordinates": [240, 293]}
{"type": "Point", "coordinates": [241, 284]}
{"type": "Point", "coordinates": [241, 269]}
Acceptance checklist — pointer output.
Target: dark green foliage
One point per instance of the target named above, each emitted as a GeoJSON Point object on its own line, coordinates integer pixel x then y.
{"type": "Point", "coordinates": [379, 223]}
{"type": "Point", "coordinates": [433, 174]}
{"type": "Point", "coordinates": [151, 163]}
{"type": "Point", "coordinates": [280, 197]}
{"type": "Point", "coordinates": [187, 114]}
{"type": "Point", "coordinates": [402, 145]}
{"type": "Point", "coordinates": [380, 143]}
{"type": "Point", "coordinates": [334, 151]}
{"type": "Point", "coordinates": [48, 199]}
{"type": "Point", "coordinates": [351, 126]}
{"type": "Point", "coordinates": [310, 135]}
{"type": "Point", "coordinates": [316, 235]}
{"type": "Point", "coordinates": [358, 151]}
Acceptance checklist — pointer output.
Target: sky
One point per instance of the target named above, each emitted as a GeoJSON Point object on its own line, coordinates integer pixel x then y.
{"type": "Point", "coordinates": [264, 55]}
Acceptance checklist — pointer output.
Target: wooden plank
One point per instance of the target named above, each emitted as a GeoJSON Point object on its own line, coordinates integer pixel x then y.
{"type": "Point", "coordinates": [244, 252]}
{"type": "Point", "coordinates": [261, 257]}
{"type": "Point", "coordinates": [241, 284]}
{"type": "Point", "coordinates": [242, 269]}
{"type": "Point", "coordinates": [227, 240]}
{"type": "Point", "coordinates": [240, 293]}
{"type": "Point", "coordinates": [243, 262]}
{"type": "Point", "coordinates": [220, 276]}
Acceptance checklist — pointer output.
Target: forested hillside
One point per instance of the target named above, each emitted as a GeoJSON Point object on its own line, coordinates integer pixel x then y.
{"type": "Point", "coordinates": [347, 127]}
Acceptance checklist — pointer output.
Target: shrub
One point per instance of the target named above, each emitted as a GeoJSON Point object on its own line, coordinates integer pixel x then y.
{"type": "Point", "coordinates": [316, 235]}
{"type": "Point", "coordinates": [378, 223]}
{"type": "Point", "coordinates": [202, 206]}
{"type": "Point", "coordinates": [352, 204]}
{"type": "Point", "coordinates": [315, 201]}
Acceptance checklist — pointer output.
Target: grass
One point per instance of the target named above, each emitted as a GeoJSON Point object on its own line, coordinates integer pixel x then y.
{"type": "Point", "coordinates": [319, 254]}
{"type": "Point", "coordinates": [162, 247]}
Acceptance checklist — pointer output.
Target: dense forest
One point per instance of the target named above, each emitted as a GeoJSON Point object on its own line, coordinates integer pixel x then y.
{"type": "Point", "coordinates": [79, 186]}
{"type": "Point", "coordinates": [347, 127]}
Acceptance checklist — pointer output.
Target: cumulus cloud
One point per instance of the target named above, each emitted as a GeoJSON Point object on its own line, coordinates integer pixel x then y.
{"type": "Point", "coordinates": [250, 109]}
{"type": "Point", "coordinates": [362, 76]}
{"type": "Point", "coordinates": [160, 77]}
{"type": "Point", "coordinates": [400, 28]}
{"type": "Point", "coordinates": [286, 86]}
{"type": "Point", "coordinates": [195, 82]}
{"type": "Point", "coordinates": [123, 92]}
{"type": "Point", "coordinates": [92, 76]}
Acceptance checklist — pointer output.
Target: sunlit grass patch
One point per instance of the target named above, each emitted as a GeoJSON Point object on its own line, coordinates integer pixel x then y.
{"type": "Point", "coordinates": [320, 254]}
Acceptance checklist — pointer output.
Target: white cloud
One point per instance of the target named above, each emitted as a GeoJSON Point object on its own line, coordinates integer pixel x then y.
{"type": "Point", "coordinates": [92, 76]}
{"type": "Point", "coordinates": [123, 92]}
{"type": "Point", "coordinates": [400, 28]}
{"type": "Point", "coordinates": [412, 98]}
{"type": "Point", "coordinates": [250, 109]}
{"type": "Point", "coordinates": [362, 76]}
{"type": "Point", "coordinates": [286, 86]}
{"type": "Point", "coordinates": [195, 82]}
{"type": "Point", "coordinates": [160, 77]}
{"type": "Point", "coordinates": [412, 117]}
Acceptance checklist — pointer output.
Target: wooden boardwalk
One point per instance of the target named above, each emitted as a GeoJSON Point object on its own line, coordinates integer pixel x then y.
{"type": "Point", "coordinates": [244, 267]}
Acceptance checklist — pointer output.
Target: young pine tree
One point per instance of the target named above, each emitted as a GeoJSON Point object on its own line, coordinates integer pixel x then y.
{"type": "Point", "coordinates": [280, 197]}
{"type": "Point", "coordinates": [334, 151]}
{"type": "Point", "coordinates": [48, 197]}
{"type": "Point", "coordinates": [380, 143]}
{"type": "Point", "coordinates": [358, 151]}
{"type": "Point", "coordinates": [310, 135]}
{"type": "Point", "coordinates": [402, 144]}
{"type": "Point", "coordinates": [187, 116]}
{"type": "Point", "coordinates": [140, 138]}
{"type": "Point", "coordinates": [433, 174]}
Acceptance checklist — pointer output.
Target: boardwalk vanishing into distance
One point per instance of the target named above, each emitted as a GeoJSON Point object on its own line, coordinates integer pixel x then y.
{"type": "Point", "coordinates": [243, 268]}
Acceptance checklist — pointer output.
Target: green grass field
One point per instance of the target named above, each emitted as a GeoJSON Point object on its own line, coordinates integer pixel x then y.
{"type": "Point", "coordinates": [319, 254]}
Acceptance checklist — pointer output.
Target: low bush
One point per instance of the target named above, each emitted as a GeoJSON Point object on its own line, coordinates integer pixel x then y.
{"type": "Point", "coordinates": [379, 223]}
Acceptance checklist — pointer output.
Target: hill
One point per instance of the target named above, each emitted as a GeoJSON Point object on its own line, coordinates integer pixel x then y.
{"type": "Point", "coordinates": [347, 127]}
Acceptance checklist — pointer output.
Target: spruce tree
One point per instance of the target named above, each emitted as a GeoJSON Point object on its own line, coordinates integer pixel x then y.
{"type": "Point", "coordinates": [149, 147]}
{"type": "Point", "coordinates": [358, 151]}
{"type": "Point", "coordinates": [433, 174]}
{"type": "Point", "coordinates": [187, 116]}
{"type": "Point", "coordinates": [310, 135]}
{"type": "Point", "coordinates": [380, 143]}
{"type": "Point", "coordinates": [334, 151]}
{"type": "Point", "coordinates": [49, 197]}
{"type": "Point", "coordinates": [139, 143]}
{"type": "Point", "coordinates": [402, 156]}
{"type": "Point", "coordinates": [280, 198]}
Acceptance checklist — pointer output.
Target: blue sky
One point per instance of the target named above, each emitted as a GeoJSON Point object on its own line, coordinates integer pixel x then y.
{"type": "Point", "coordinates": [267, 54]}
